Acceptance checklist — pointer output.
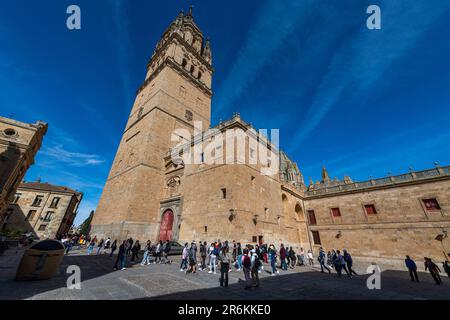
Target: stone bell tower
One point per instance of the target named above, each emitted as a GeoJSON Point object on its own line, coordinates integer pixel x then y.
{"type": "Point", "coordinates": [176, 92]}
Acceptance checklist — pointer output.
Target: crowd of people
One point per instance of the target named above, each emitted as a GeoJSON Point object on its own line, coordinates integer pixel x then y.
{"type": "Point", "coordinates": [224, 257]}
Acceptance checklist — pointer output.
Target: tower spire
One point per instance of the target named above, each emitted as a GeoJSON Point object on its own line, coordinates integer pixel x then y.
{"type": "Point", "coordinates": [325, 176]}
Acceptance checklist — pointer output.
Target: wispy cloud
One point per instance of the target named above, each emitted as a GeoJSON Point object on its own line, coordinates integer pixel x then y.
{"type": "Point", "coordinates": [123, 46]}
{"type": "Point", "coordinates": [76, 159]}
{"type": "Point", "coordinates": [273, 26]}
{"type": "Point", "coordinates": [360, 63]}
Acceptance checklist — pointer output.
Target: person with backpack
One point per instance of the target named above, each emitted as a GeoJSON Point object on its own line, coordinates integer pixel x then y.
{"type": "Point", "coordinates": [225, 260]}
{"type": "Point", "coordinates": [322, 258]}
{"type": "Point", "coordinates": [214, 254]}
{"type": "Point", "coordinates": [107, 243]}
{"type": "Point", "coordinates": [256, 264]}
{"type": "Point", "coordinates": [246, 266]}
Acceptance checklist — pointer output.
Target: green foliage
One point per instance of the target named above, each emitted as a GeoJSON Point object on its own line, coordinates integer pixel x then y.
{"type": "Point", "coordinates": [85, 227]}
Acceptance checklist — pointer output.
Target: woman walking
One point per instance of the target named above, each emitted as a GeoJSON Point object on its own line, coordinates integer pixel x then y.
{"type": "Point", "coordinates": [184, 257]}
{"type": "Point", "coordinates": [225, 259]}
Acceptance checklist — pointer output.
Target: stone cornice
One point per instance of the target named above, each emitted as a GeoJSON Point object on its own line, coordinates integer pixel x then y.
{"type": "Point", "coordinates": [309, 195]}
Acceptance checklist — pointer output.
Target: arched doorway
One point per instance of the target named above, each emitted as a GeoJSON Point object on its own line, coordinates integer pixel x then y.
{"type": "Point", "coordinates": [165, 229]}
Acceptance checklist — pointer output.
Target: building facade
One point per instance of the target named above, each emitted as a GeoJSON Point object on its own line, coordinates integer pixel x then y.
{"type": "Point", "coordinates": [382, 219]}
{"type": "Point", "coordinates": [152, 195]}
{"type": "Point", "coordinates": [44, 209]}
{"type": "Point", "coordinates": [19, 143]}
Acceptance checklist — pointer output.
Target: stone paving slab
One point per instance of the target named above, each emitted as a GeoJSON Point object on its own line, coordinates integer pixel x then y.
{"type": "Point", "coordinates": [157, 281]}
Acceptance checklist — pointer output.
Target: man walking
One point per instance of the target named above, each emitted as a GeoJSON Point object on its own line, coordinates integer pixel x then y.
{"type": "Point", "coordinates": [283, 257]}
{"type": "Point", "coordinates": [412, 268]}
{"type": "Point", "coordinates": [348, 259]}
{"type": "Point", "coordinates": [323, 261]}
{"type": "Point", "coordinates": [184, 257]}
{"type": "Point", "coordinates": [203, 254]}
{"type": "Point", "coordinates": [340, 264]}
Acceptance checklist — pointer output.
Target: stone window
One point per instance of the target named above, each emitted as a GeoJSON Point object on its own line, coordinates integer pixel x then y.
{"type": "Point", "coordinates": [252, 179]}
{"type": "Point", "coordinates": [16, 198]}
{"type": "Point", "coordinates": [224, 193]}
{"type": "Point", "coordinates": [335, 212]}
{"type": "Point", "coordinates": [48, 216]}
{"type": "Point", "coordinates": [10, 132]}
{"type": "Point", "coordinates": [199, 75]}
{"type": "Point", "coordinates": [316, 238]}
{"type": "Point", "coordinates": [37, 201]}
{"type": "Point", "coordinates": [254, 239]}
{"type": "Point", "coordinates": [370, 209]}
{"type": "Point", "coordinates": [55, 202]}
{"type": "Point", "coordinates": [312, 217]}
{"type": "Point", "coordinates": [189, 115]}
{"type": "Point", "coordinates": [206, 229]}
{"type": "Point", "coordinates": [42, 227]}
{"type": "Point", "coordinates": [192, 69]}
{"type": "Point", "coordinates": [30, 215]}
{"type": "Point", "coordinates": [184, 63]}
{"type": "Point", "coordinates": [431, 204]}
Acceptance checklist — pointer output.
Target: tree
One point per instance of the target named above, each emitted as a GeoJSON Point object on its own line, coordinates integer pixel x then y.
{"type": "Point", "coordinates": [86, 225]}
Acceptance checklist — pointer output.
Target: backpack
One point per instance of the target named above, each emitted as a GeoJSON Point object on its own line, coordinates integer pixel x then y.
{"type": "Point", "coordinates": [215, 251]}
{"type": "Point", "coordinates": [247, 262]}
{"type": "Point", "coordinates": [257, 263]}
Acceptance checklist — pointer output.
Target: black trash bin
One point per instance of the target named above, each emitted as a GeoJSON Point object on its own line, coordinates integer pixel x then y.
{"type": "Point", "coordinates": [41, 261]}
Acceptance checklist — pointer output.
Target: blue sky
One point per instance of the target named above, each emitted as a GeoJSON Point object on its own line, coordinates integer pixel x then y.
{"type": "Point", "coordinates": [361, 102]}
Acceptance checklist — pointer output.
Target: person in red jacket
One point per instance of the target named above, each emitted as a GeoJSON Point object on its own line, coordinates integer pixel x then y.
{"type": "Point", "coordinates": [283, 257]}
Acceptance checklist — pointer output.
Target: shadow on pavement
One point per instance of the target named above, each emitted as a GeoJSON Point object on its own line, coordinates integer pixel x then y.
{"type": "Point", "coordinates": [91, 267]}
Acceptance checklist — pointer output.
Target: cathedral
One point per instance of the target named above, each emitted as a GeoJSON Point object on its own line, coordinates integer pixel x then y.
{"type": "Point", "coordinates": [150, 195]}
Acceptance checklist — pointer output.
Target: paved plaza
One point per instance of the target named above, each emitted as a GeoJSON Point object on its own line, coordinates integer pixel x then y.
{"type": "Point", "coordinates": [100, 281]}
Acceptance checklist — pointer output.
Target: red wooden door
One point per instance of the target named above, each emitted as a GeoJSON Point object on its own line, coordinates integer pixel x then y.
{"type": "Point", "coordinates": [165, 229]}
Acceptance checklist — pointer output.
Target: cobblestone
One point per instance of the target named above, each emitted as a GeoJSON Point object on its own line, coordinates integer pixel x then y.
{"type": "Point", "coordinates": [100, 281]}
